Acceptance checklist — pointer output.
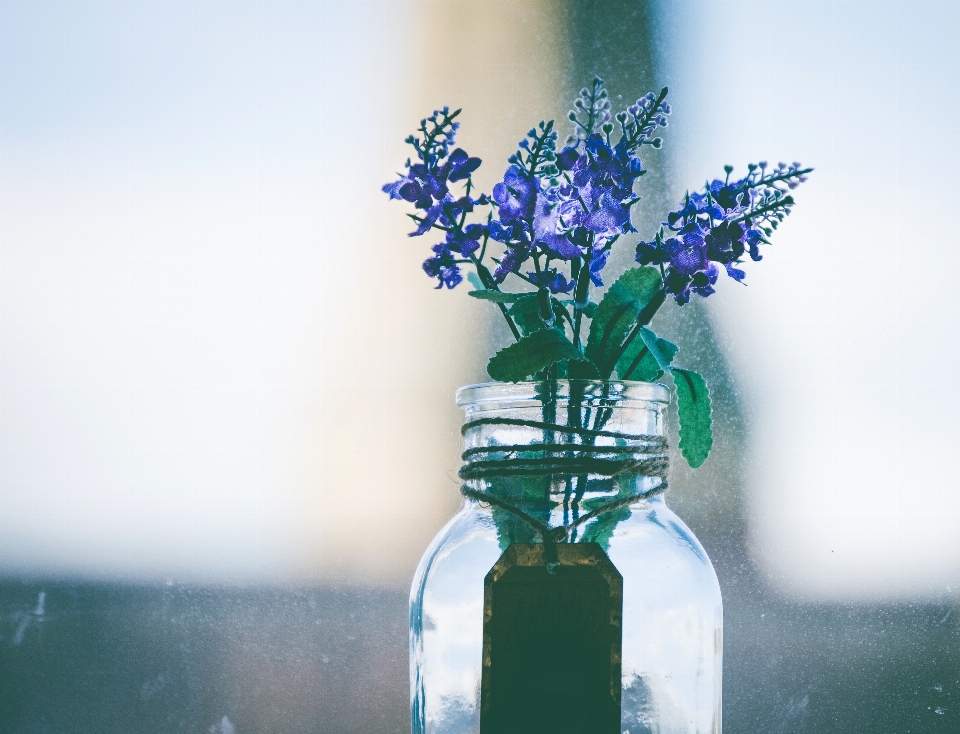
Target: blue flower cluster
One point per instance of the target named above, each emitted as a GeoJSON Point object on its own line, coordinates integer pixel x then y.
{"type": "Point", "coordinates": [561, 210]}
{"type": "Point", "coordinates": [573, 205]}
{"type": "Point", "coordinates": [558, 213]}
{"type": "Point", "coordinates": [718, 226]}
{"type": "Point", "coordinates": [427, 187]}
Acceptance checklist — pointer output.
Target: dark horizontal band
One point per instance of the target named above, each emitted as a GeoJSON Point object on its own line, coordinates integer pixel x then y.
{"type": "Point", "coordinates": [562, 449]}
{"type": "Point", "coordinates": [651, 466]}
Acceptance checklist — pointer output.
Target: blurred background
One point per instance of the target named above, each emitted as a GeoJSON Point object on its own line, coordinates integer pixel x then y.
{"type": "Point", "coordinates": [227, 428]}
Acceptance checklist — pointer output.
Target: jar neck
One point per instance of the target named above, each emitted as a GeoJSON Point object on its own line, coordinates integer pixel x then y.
{"type": "Point", "coordinates": [563, 441]}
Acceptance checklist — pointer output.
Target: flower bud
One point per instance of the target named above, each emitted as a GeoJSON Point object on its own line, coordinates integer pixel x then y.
{"type": "Point", "coordinates": [546, 307]}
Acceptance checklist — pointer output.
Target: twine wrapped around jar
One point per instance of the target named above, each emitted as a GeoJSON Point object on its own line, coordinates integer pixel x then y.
{"type": "Point", "coordinates": [631, 454]}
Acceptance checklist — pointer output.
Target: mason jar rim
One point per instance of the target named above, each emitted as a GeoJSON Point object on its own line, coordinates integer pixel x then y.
{"type": "Point", "coordinates": [622, 391]}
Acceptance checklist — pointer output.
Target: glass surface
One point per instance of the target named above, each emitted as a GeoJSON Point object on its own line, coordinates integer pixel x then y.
{"type": "Point", "coordinates": [672, 611]}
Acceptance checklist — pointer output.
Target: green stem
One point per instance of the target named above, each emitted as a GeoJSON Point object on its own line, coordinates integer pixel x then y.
{"type": "Point", "coordinates": [575, 266]}
{"type": "Point", "coordinates": [582, 292]}
{"type": "Point", "coordinates": [603, 414]}
{"type": "Point", "coordinates": [778, 177]}
{"type": "Point", "coordinates": [634, 364]}
{"type": "Point", "coordinates": [608, 332]}
{"type": "Point", "coordinates": [576, 326]}
{"type": "Point", "coordinates": [575, 419]}
{"type": "Point", "coordinates": [550, 417]}
{"type": "Point", "coordinates": [526, 279]}
{"type": "Point", "coordinates": [491, 284]}
{"type": "Point", "coordinates": [566, 315]}
{"type": "Point", "coordinates": [421, 220]}
{"type": "Point", "coordinates": [643, 318]}
{"type": "Point", "coordinates": [762, 210]}
{"type": "Point", "coordinates": [649, 115]}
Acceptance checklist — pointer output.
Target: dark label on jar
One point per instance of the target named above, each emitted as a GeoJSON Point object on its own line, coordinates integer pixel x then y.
{"type": "Point", "coordinates": [551, 641]}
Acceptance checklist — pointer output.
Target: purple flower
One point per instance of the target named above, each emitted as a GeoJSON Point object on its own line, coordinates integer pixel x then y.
{"type": "Point", "coordinates": [601, 184]}
{"type": "Point", "coordinates": [409, 189]}
{"type": "Point", "coordinates": [688, 253]}
{"type": "Point", "coordinates": [700, 281]}
{"type": "Point", "coordinates": [443, 266]}
{"type": "Point", "coordinates": [466, 242]}
{"type": "Point", "coordinates": [447, 212]}
{"type": "Point", "coordinates": [450, 276]}
{"type": "Point", "coordinates": [510, 232]}
{"type": "Point", "coordinates": [516, 195]}
{"type": "Point", "coordinates": [729, 195]}
{"type": "Point", "coordinates": [718, 227]}
{"type": "Point", "coordinates": [597, 262]}
{"type": "Point", "coordinates": [512, 259]}
{"type": "Point", "coordinates": [606, 167]}
{"type": "Point", "coordinates": [608, 216]}
{"type": "Point", "coordinates": [549, 228]}
{"type": "Point", "coordinates": [724, 242]}
{"type": "Point", "coordinates": [697, 205]}
{"type": "Point", "coordinates": [651, 253]}
{"type": "Point", "coordinates": [419, 186]}
{"type": "Point", "coordinates": [427, 182]}
{"type": "Point", "coordinates": [393, 189]}
{"type": "Point", "coordinates": [460, 165]}
{"type": "Point", "coordinates": [554, 281]}
{"type": "Point", "coordinates": [735, 273]}
{"type": "Point", "coordinates": [752, 238]}
{"type": "Point", "coordinates": [567, 157]}
{"type": "Point", "coordinates": [690, 267]}
{"type": "Point", "coordinates": [427, 221]}
{"type": "Point", "coordinates": [570, 207]}
{"type": "Point", "coordinates": [566, 209]}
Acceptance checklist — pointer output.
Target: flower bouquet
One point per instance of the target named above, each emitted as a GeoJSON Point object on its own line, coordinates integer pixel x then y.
{"type": "Point", "coordinates": [552, 584]}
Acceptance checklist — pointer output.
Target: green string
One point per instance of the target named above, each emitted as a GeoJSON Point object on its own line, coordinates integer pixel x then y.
{"type": "Point", "coordinates": [645, 456]}
{"type": "Point", "coordinates": [655, 466]}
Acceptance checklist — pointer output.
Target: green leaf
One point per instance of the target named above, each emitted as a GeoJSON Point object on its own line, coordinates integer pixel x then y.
{"type": "Point", "coordinates": [475, 281]}
{"type": "Point", "coordinates": [646, 358]}
{"type": "Point", "coordinates": [661, 350]}
{"type": "Point", "coordinates": [693, 408]}
{"type": "Point", "coordinates": [526, 313]}
{"type": "Point", "coordinates": [531, 354]}
{"type": "Point", "coordinates": [601, 530]}
{"type": "Point", "coordinates": [496, 296]}
{"type": "Point", "coordinates": [617, 313]}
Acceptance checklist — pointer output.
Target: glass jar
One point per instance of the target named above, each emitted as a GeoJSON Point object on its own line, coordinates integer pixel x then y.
{"type": "Point", "coordinates": [565, 596]}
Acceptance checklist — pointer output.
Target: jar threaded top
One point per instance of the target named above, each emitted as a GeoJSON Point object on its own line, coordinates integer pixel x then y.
{"type": "Point", "coordinates": [590, 393]}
